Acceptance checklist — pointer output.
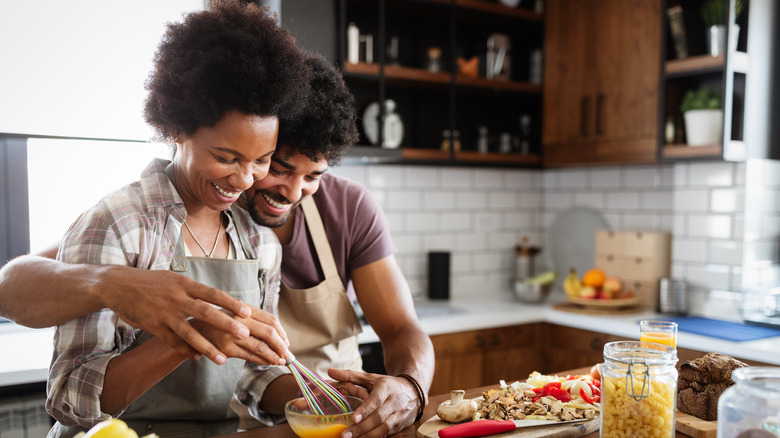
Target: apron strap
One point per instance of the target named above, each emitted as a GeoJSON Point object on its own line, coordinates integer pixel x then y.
{"type": "Point", "coordinates": [317, 230]}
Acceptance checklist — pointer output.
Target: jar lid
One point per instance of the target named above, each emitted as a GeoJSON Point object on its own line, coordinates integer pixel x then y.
{"type": "Point", "coordinates": [635, 352]}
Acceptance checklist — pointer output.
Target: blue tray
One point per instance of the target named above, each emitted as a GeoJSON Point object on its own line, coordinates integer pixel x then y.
{"type": "Point", "coordinates": [730, 331]}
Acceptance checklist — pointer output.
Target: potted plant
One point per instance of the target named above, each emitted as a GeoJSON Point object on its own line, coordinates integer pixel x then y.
{"type": "Point", "coordinates": [715, 14]}
{"type": "Point", "coordinates": [703, 114]}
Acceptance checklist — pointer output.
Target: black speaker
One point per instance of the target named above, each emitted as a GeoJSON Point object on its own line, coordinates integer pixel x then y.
{"type": "Point", "coordinates": [439, 275]}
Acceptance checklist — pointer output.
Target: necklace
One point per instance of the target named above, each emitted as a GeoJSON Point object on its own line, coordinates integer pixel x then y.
{"type": "Point", "coordinates": [216, 240]}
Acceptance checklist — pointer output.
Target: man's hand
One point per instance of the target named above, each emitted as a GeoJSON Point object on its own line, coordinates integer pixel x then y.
{"type": "Point", "coordinates": [390, 405]}
{"type": "Point", "coordinates": [267, 344]}
{"type": "Point", "coordinates": [161, 302]}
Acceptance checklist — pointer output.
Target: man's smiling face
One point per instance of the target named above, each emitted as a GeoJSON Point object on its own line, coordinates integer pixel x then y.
{"type": "Point", "coordinates": [271, 200]}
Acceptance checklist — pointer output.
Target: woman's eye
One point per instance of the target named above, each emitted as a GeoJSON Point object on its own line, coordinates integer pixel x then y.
{"type": "Point", "coordinates": [224, 160]}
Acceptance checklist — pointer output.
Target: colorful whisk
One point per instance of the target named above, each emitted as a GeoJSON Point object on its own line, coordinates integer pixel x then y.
{"type": "Point", "coordinates": [309, 382]}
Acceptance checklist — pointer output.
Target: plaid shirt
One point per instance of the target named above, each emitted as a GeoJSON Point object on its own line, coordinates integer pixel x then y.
{"type": "Point", "coordinates": [138, 225]}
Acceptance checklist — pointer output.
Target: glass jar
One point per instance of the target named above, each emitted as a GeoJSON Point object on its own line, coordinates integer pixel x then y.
{"type": "Point", "coordinates": [751, 408]}
{"type": "Point", "coordinates": [638, 390]}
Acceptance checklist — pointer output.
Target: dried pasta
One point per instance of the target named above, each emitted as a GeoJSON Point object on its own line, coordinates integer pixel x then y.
{"type": "Point", "coordinates": [623, 416]}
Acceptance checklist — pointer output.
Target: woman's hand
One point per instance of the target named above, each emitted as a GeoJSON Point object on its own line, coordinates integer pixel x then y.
{"type": "Point", "coordinates": [266, 345]}
{"type": "Point", "coordinates": [391, 403]}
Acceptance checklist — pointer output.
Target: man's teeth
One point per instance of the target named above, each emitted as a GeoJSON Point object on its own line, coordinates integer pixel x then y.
{"type": "Point", "coordinates": [273, 203]}
{"type": "Point", "coordinates": [226, 194]}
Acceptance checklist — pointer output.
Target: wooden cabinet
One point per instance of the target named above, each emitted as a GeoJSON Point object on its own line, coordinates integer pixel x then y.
{"type": "Point", "coordinates": [435, 103]}
{"type": "Point", "coordinates": [602, 67]}
{"type": "Point", "coordinates": [483, 357]}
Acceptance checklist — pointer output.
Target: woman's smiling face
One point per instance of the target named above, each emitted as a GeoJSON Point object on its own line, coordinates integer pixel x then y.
{"type": "Point", "coordinates": [214, 165]}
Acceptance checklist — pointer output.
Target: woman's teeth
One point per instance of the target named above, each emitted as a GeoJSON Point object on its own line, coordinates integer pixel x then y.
{"type": "Point", "coordinates": [231, 195]}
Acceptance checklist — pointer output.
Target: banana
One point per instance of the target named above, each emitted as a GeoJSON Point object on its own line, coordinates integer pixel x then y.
{"type": "Point", "coordinates": [572, 284]}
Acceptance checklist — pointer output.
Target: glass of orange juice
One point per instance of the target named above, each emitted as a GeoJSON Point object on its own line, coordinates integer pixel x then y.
{"type": "Point", "coordinates": [659, 332]}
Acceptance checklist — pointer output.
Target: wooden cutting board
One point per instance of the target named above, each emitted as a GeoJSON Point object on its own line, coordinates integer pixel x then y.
{"type": "Point", "coordinates": [430, 429]}
{"type": "Point", "coordinates": [695, 427]}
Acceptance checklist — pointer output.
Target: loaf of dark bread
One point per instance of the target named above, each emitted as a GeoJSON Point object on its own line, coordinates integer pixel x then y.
{"type": "Point", "coordinates": [701, 382]}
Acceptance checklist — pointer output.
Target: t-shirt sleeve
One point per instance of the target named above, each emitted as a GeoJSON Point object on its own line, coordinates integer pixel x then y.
{"type": "Point", "coordinates": [370, 238]}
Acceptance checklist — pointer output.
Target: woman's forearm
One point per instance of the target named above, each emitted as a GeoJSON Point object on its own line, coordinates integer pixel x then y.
{"type": "Point", "coordinates": [39, 292]}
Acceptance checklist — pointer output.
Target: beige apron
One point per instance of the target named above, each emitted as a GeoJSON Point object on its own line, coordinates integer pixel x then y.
{"type": "Point", "coordinates": [194, 399]}
{"type": "Point", "coordinates": [320, 322]}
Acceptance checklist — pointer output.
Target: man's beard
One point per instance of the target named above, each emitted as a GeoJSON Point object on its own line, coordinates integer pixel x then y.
{"type": "Point", "coordinates": [263, 219]}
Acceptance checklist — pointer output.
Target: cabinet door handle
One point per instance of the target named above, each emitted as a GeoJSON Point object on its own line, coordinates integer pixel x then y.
{"type": "Point", "coordinates": [495, 340]}
{"type": "Point", "coordinates": [584, 116]}
{"type": "Point", "coordinates": [480, 341]}
{"type": "Point", "coordinates": [599, 104]}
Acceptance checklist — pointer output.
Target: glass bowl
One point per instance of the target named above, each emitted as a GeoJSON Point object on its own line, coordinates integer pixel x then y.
{"type": "Point", "coordinates": [305, 424]}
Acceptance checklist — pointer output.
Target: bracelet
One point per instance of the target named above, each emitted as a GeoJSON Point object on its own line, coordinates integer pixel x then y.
{"type": "Point", "coordinates": [419, 391]}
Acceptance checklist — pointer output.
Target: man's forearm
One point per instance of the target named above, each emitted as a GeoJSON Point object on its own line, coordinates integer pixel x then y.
{"type": "Point", "coordinates": [410, 353]}
{"type": "Point", "coordinates": [39, 292]}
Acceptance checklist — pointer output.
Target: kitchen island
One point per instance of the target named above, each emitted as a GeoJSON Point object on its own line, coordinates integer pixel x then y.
{"type": "Point", "coordinates": [284, 431]}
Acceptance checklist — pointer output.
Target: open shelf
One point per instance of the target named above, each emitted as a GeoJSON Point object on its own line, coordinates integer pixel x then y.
{"type": "Point", "coordinates": [685, 151]}
{"type": "Point", "coordinates": [695, 65]}
{"type": "Point", "coordinates": [495, 157]}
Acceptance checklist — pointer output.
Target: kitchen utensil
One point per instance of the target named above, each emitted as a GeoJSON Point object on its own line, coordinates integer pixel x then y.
{"type": "Point", "coordinates": [491, 427]}
{"type": "Point", "coordinates": [497, 59]}
{"type": "Point", "coordinates": [306, 424]}
{"type": "Point", "coordinates": [328, 401]}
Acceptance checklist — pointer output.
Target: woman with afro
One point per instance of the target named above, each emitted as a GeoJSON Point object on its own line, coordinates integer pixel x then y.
{"type": "Point", "coordinates": [222, 80]}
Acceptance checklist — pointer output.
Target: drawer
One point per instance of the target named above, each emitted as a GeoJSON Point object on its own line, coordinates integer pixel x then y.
{"type": "Point", "coordinates": [642, 268]}
{"type": "Point", "coordinates": [634, 243]}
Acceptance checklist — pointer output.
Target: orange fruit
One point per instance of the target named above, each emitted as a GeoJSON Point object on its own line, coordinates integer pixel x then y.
{"type": "Point", "coordinates": [594, 277]}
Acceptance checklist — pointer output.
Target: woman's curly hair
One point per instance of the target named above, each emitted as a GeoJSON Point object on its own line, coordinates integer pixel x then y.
{"type": "Point", "coordinates": [326, 127]}
{"type": "Point", "coordinates": [229, 57]}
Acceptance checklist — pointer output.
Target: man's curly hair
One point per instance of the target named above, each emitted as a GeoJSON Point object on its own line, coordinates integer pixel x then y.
{"type": "Point", "coordinates": [326, 127]}
{"type": "Point", "coordinates": [232, 56]}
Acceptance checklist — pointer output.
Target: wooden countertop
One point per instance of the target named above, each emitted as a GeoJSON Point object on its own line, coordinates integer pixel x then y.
{"type": "Point", "coordinates": [284, 431]}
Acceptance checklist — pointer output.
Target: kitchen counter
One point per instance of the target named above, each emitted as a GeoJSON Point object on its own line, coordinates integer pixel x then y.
{"type": "Point", "coordinates": [25, 353]}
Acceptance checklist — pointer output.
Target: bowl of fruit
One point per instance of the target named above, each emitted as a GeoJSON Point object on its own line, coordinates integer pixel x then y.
{"type": "Point", "coordinates": [597, 289]}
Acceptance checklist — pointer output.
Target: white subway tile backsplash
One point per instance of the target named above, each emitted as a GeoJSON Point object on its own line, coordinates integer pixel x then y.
{"type": "Point", "coordinates": [479, 214]}
{"type": "Point", "coordinates": [424, 176]}
{"type": "Point", "coordinates": [460, 221]}
{"type": "Point", "coordinates": [355, 173]}
{"type": "Point", "coordinates": [470, 242]}
{"type": "Point", "coordinates": [523, 180]}
{"type": "Point", "coordinates": [404, 200]}
{"type": "Point", "coordinates": [573, 179]}
{"type": "Point", "coordinates": [712, 226]}
{"type": "Point", "coordinates": [470, 200]}
{"type": "Point", "coordinates": [641, 177]}
{"type": "Point", "coordinates": [605, 178]}
{"type": "Point", "coordinates": [595, 200]}
{"type": "Point", "coordinates": [711, 174]}
{"type": "Point", "coordinates": [456, 178]}
{"type": "Point", "coordinates": [439, 242]}
{"type": "Point", "coordinates": [422, 222]}
{"type": "Point", "coordinates": [386, 177]}
{"type": "Point", "coordinates": [690, 200]}
{"type": "Point", "coordinates": [438, 200]}
{"type": "Point", "coordinates": [727, 200]}
{"type": "Point", "coordinates": [488, 179]}
{"type": "Point", "coordinates": [686, 250]}
{"type": "Point", "coordinates": [656, 201]}
{"type": "Point", "coordinates": [725, 252]}
{"type": "Point", "coordinates": [557, 200]}
{"type": "Point", "coordinates": [502, 200]}
{"type": "Point", "coordinates": [623, 200]}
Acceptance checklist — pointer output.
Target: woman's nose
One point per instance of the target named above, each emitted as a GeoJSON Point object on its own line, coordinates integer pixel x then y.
{"type": "Point", "coordinates": [246, 176]}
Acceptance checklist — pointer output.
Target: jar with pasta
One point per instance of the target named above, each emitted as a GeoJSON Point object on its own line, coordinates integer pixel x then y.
{"type": "Point", "coordinates": [638, 390]}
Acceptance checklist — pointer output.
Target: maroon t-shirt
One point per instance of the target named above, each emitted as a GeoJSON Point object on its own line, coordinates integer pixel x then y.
{"type": "Point", "coordinates": [356, 228]}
